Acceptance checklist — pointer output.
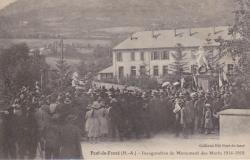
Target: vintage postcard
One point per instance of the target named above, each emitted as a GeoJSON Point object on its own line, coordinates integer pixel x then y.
{"type": "Point", "coordinates": [125, 79]}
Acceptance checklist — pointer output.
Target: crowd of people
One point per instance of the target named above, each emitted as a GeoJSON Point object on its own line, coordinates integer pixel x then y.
{"type": "Point", "coordinates": [54, 125]}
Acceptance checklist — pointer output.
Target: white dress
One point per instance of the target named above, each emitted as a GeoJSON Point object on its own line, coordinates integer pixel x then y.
{"type": "Point", "coordinates": [92, 125]}
{"type": "Point", "coordinates": [103, 118]}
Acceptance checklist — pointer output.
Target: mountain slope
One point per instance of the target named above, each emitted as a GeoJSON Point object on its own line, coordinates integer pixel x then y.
{"type": "Point", "coordinates": [76, 17]}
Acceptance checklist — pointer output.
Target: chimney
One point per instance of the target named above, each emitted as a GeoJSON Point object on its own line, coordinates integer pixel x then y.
{"type": "Point", "coordinates": [133, 37]}
{"type": "Point", "coordinates": [214, 29]}
{"type": "Point", "coordinates": [175, 32]}
{"type": "Point", "coordinates": [190, 31]}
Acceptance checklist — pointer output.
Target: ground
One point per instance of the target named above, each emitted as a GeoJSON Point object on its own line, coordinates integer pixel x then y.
{"type": "Point", "coordinates": [166, 146]}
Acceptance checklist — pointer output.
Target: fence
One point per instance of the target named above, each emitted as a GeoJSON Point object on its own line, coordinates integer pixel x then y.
{"type": "Point", "coordinates": [115, 86]}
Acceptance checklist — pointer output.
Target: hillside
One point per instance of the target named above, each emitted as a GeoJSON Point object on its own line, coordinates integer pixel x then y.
{"type": "Point", "coordinates": [81, 18]}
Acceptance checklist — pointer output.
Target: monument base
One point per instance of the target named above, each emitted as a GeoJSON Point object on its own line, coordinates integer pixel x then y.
{"type": "Point", "coordinates": [234, 122]}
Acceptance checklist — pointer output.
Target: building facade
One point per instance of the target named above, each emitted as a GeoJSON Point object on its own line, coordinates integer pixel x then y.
{"type": "Point", "coordinates": [153, 52]}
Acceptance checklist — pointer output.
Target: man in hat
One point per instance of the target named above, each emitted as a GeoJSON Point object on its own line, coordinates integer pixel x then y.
{"type": "Point", "coordinates": [136, 114]}
{"type": "Point", "coordinates": [217, 107]}
{"type": "Point", "coordinates": [208, 119]}
{"type": "Point", "coordinates": [1, 135]}
{"type": "Point", "coordinates": [178, 106]}
{"type": "Point", "coordinates": [51, 138]}
{"type": "Point", "coordinates": [146, 117]}
{"type": "Point", "coordinates": [64, 107]}
{"type": "Point", "coordinates": [9, 136]}
{"type": "Point", "coordinates": [79, 105]}
{"type": "Point", "coordinates": [188, 116]}
{"type": "Point", "coordinates": [199, 106]}
{"type": "Point", "coordinates": [70, 140]}
{"type": "Point", "coordinates": [116, 118]}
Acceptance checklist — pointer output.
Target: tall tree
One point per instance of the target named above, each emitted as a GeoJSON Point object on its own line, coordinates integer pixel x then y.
{"type": "Point", "coordinates": [18, 68]}
{"type": "Point", "coordinates": [180, 64]}
{"type": "Point", "coordinates": [239, 48]}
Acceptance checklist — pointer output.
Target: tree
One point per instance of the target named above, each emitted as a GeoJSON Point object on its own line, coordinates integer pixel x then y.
{"type": "Point", "coordinates": [98, 60]}
{"type": "Point", "coordinates": [18, 68]}
{"type": "Point", "coordinates": [63, 77]}
{"type": "Point", "coordinates": [239, 48]}
{"type": "Point", "coordinates": [180, 65]}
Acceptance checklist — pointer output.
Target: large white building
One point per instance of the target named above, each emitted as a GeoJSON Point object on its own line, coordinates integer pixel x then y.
{"type": "Point", "coordinates": [151, 51]}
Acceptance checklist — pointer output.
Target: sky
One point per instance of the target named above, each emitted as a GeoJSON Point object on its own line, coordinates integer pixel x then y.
{"type": "Point", "coordinates": [4, 3]}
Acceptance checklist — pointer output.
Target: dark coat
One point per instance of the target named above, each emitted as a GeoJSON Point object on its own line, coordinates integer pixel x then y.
{"type": "Point", "coordinates": [1, 138]}
{"type": "Point", "coordinates": [70, 142]}
{"type": "Point", "coordinates": [116, 112]}
{"type": "Point", "coordinates": [188, 112]}
{"type": "Point", "coordinates": [51, 135]}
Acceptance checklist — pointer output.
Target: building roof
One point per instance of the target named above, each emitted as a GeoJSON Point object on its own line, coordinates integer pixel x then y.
{"type": "Point", "coordinates": [107, 70]}
{"type": "Point", "coordinates": [170, 38]}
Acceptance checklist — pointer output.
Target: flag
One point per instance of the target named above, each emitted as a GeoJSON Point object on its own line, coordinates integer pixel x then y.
{"type": "Point", "coordinates": [194, 83]}
{"type": "Point", "coordinates": [177, 108]}
{"type": "Point", "coordinates": [220, 80]}
{"type": "Point", "coordinates": [201, 59]}
{"type": "Point", "coordinates": [182, 82]}
{"type": "Point", "coordinates": [224, 77]}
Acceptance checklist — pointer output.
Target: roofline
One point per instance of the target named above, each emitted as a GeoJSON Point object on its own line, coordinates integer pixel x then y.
{"type": "Point", "coordinates": [173, 29]}
{"type": "Point", "coordinates": [161, 48]}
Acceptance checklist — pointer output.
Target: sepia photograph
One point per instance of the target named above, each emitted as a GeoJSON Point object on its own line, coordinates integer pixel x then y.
{"type": "Point", "coordinates": [125, 79]}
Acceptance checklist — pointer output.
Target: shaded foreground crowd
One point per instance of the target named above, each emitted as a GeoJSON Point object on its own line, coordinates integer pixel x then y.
{"type": "Point", "coordinates": [54, 125]}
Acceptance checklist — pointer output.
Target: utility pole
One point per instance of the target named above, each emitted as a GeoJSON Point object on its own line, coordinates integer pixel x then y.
{"type": "Point", "coordinates": [62, 53]}
{"type": "Point", "coordinates": [62, 63]}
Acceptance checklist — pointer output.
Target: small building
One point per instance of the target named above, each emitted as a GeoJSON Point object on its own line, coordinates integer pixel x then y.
{"type": "Point", "coordinates": [106, 74]}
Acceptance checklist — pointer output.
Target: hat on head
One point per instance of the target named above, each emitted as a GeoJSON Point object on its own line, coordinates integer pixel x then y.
{"type": "Point", "coordinates": [113, 100]}
{"type": "Point", "coordinates": [67, 100]}
{"type": "Point", "coordinates": [207, 105]}
{"type": "Point", "coordinates": [181, 95]}
{"type": "Point", "coordinates": [96, 105]}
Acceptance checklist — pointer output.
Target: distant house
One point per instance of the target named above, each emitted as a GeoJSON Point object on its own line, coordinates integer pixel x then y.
{"type": "Point", "coordinates": [151, 51]}
{"type": "Point", "coordinates": [106, 74]}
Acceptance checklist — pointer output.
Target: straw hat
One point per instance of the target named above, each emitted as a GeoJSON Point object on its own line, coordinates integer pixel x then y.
{"type": "Point", "coordinates": [96, 105]}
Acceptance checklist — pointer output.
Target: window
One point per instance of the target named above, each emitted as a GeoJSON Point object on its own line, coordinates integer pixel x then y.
{"type": "Point", "coordinates": [193, 54]}
{"type": "Point", "coordinates": [155, 55]}
{"type": "Point", "coordinates": [142, 56]}
{"type": "Point", "coordinates": [132, 56]}
{"type": "Point", "coordinates": [165, 70]}
{"type": "Point", "coordinates": [156, 71]}
{"type": "Point", "coordinates": [119, 56]}
{"type": "Point", "coordinates": [142, 70]}
{"type": "Point", "coordinates": [133, 71]}
{"type": "Point", "coordinates": [121, 72]}
{"type": "Point", "coordinates": [165, 55]}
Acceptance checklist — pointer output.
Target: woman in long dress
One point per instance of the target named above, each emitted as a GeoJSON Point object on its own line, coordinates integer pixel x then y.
{"type": "Point", "coordinates": [93, 122]}
{"type": "Point", "coordinates": [103, 118]}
